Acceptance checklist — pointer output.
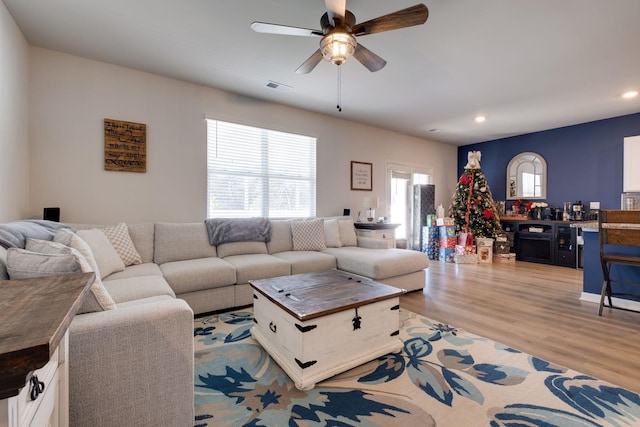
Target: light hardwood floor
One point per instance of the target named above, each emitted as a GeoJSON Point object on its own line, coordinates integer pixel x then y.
{"type": "Point", "coordinates": [534, 308]}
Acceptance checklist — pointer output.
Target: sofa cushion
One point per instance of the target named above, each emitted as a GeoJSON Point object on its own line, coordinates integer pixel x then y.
{"type": "Point", "coordinates": [97, 299]}
{"type": "Point", "coordinates": [142, 235]}
{"type": "Point", "coordinates": [133, 288]}
{"type": "Point", "coordinates": [258, 266]}
{"type": "Point", "coordinates": [332, 233]}
{"type": "Point", "coordinates": [307, 261]}
{"type": "Point", "coordinates": [146, 269]}
{"type": "Point", "coordinates": [308, 235]}
{"type": "Point", "coordinates": [24, 264]}
{"type": "Point", "coordinates": [241, 248]}
{"type": "Point", "coordinates": [121, 241]}
{"type": "Point", "coordinates": [106, 257]}
{"type": "Point", "coordinates": [178, 242]}
{"type": "Point", "coordinates": [198, 274]}
{"type": "Point", "coordinates": [281, 240]}
{"type": "Point", "coordinates": [146, 300]}
{"type": "Point", "coordinates": [347, 232]}
{"type": "Point", "coordinates": [379, 263]}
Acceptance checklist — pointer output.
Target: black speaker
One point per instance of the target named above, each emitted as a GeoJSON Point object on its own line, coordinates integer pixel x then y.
{"type": "Point", "coordinates": [51, 214]}
{"type": "Point", "coordinates": [346, 212]}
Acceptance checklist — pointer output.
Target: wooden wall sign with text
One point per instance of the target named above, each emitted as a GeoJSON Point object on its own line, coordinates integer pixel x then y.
{"type": "Point", "coordinates": [125, 146]}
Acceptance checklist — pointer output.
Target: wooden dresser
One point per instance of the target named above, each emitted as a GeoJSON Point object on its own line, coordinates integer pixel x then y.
{"type": "Point", "coordinates": [35, 315]}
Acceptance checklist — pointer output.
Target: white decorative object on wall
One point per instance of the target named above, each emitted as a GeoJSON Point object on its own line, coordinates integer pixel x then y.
{"type": "Point", "coordinates": [631, 176]}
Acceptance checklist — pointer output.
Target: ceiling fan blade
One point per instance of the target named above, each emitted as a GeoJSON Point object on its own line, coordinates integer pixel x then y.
{"type": "Point", "coordinates": [369, 59]}
{"type": "Point", "coordinates": [264, 27]}
{"type": "Point", "coordinates": [414, 15]}
{"type": "Point", "coordinates": [336, 9]}
{"type": "Point", "coordinates": [310, 63]}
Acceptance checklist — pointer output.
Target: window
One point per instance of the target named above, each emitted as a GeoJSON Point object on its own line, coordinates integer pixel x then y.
{"type": "Point", "coordinates": [259, 172]}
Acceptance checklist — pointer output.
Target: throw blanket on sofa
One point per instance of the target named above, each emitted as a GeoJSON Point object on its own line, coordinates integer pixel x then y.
{"type": "Point", "coordinates": [15, 234]}
{"type": "Point", "coordinates": [227, 230]}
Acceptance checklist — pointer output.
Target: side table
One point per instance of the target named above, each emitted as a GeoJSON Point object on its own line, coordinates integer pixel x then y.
{"type": "Point", "coordinates": [378, 230]}
{"type": "Point", "coordinates": [34, 374]}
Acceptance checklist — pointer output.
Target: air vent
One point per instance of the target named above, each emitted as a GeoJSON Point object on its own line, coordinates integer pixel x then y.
{"type": "Point", "coordinates": [278, 86]}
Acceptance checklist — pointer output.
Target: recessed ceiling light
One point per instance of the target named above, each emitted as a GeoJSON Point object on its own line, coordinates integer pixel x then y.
{"type": "Point", "coordinates": [630, 94]}
{"type": "Point", "coordinates": [480, 119]}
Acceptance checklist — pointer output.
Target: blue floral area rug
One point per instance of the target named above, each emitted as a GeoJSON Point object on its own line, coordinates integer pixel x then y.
{"type": "Point", "coordinates": [442, 377]}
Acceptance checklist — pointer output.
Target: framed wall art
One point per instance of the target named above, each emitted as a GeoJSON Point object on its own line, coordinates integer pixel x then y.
{"type": "Point", "coordinates": [361, 176]}
{"type": "Point", "coordinates": [125, 146]}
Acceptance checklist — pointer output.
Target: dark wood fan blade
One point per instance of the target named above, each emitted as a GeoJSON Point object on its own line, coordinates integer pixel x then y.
{"type": "Point", "coordinates": [369, 59]}
{"type": "Point", "coordinates": [414, 15]}
{"type": "Point", "coordinates": [264, 27]}
{"type": "Point", "coordinates": [336, 8]}
{"type": "Point", "coordinates": [310, 63]}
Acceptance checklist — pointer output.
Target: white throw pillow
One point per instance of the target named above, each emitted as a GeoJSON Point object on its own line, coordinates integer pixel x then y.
{"type": "Point", "coordinates": [119, 237]}
{"type": "Point", "coordinates": [308, 235]}
{"type": "Point", "coordinates": [347, 232]}
{"type": "Point", "coordinates": [106, 257]}
{"type": "Point", "coordinates": [97, 299]}
{"type": "Point", "coordinates": [332, 233]}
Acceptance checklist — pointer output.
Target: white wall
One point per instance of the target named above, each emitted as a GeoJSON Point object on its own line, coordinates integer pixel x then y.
{"type": "Point", "coordinates": [71, 96]}
{"type": "Point", "coordinates": [14, 116]}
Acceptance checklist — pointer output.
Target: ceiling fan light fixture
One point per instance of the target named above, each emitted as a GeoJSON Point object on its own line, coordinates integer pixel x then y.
{"type": "Point", "coordinates": [337, 46]}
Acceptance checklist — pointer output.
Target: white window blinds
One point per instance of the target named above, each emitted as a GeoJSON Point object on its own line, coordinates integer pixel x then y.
{"type": "Point", "coordinates": [259, 172]}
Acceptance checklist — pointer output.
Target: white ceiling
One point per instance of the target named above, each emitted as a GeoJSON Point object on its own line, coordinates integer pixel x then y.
{"type": "Point", "coordinates": [526, 65]}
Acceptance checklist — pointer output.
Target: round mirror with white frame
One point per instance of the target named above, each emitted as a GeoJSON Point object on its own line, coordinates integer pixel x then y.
{"type": "Point", "coordinates": [527, 177]}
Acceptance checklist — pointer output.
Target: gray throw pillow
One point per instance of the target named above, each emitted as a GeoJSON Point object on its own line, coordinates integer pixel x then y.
{"type": "Point", "coordinates": [24, 264]}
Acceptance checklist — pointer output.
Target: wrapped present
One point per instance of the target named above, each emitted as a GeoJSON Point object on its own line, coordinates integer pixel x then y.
{"type": "Point", "coordinates": [485, 254]}
{"type": "Point", "coordinates": [447, 243]}
{"type": "Point", "coordinates": [504, 258]}
{"type": "Point", "coordinates": [465, 239]}
{"type": "Point", "coordinates": [446, 255]}
{"type": "Point", "coordinates": [501, 246]}
{"type": "Point", "coordinates": [466, 258]}
{"type": "Point", "coordinates": [431, 220]}
{"type": "Point", "coordinates": [447, 231]}
{"type": "Point", "coordinates": [465, 250]}
{"type": "Point", "coordinates": [445, 221]}
{"type": "Point", "coordinates": [483, 241]}
{"type": "Point", "coordinates": [430, 242]}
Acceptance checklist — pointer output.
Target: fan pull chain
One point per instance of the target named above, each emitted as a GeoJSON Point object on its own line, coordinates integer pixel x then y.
{"type": "Point", "coordinates": [339, 89]}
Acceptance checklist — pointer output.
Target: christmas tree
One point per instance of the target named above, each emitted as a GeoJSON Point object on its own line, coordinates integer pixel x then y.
{"type": "Point", "coordinates": [472, 206]}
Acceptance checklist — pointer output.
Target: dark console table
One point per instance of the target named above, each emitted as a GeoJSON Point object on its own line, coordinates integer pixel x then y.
{"type": "Point", "coordinates": [544, 241]}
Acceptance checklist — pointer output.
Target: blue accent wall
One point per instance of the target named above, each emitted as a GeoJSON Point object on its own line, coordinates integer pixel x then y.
{"type": "Point", "coordinates": [584, 162]}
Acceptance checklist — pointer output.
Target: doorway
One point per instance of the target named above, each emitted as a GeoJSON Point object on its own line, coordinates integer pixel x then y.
{"type": "Point", "coordinates": [401, 179]}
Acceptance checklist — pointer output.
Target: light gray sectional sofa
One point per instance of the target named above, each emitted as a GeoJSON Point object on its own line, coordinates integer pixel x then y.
{"type": "Point", "coordinates": [133, 365]}
{"type": "Point", "coordinates": [213, 278]}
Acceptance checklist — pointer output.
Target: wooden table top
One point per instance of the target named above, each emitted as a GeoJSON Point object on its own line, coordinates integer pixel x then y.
{"type": "Point", "coordinates": [34, 316]}
{"type": "Point", "coordinates": [311, 295]}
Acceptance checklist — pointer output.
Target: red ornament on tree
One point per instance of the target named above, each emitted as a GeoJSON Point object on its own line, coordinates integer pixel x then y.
{"type": "Point", "coordinates": [487, 213]}
{"type": "Point", "coordinates": [465, 180]}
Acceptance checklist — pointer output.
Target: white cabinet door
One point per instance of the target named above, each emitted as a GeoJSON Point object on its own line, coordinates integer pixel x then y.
{"type": "Point", "coordinates": [631, 177]}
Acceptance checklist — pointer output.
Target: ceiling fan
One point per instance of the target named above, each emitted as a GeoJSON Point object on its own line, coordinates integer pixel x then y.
{"type": "Point", "coordinates": [339, 32]}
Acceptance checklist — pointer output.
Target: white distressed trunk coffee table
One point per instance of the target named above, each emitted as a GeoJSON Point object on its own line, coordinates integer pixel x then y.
{"type": "Point", "coordinates": [316, 325]}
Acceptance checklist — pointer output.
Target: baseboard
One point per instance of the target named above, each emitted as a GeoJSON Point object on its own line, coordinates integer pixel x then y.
{"type": "Point", "coordinates": [619, 302]}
